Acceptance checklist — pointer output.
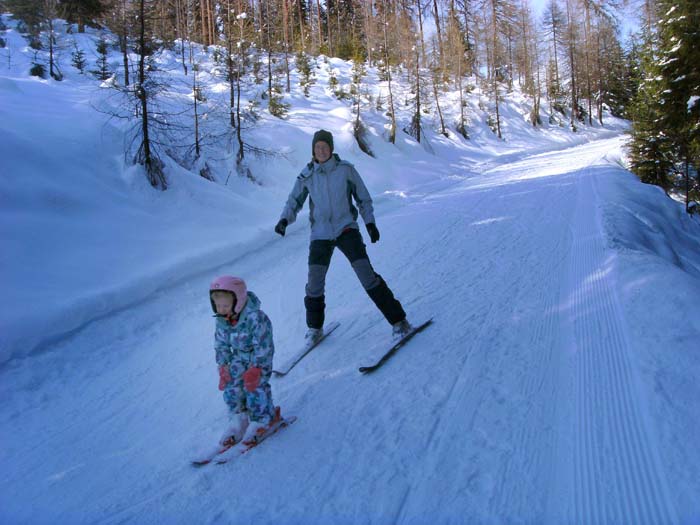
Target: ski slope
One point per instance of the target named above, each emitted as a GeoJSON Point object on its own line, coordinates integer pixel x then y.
{"type": "Point", "coordinates": [551, 387]}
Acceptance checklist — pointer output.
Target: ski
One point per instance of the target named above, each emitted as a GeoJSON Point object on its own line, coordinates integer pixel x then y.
{"type": "Point", "coordinates": [207, 458]}
{"type": "Point", "coordinates": [230, 449]}
{"type": "Point", "coordinates": [327, 330]}
{"type": "Point", "coordinates": [243, 448]}
{"type": "Point", "coordinates": [395, 347]}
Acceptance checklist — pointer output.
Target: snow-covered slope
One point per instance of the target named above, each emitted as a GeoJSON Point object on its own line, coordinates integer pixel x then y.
{"type": "Point", "coordinates": [83, 227]}
{"type": "Point", "coordinates": [557, 384]}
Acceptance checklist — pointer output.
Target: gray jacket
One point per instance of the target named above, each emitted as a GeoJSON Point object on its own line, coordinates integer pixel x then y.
{"type": "Point", "coordinates": [331, 188]}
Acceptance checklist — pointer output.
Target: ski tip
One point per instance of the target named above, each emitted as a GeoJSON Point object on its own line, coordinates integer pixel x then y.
{"type": "Point", "coordinates": [416, 329]}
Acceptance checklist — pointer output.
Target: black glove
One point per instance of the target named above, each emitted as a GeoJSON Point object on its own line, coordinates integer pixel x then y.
{"type": "Point", "coordinates": [373, 232]}
{"type": "Point", "coordinates": [281, 227]}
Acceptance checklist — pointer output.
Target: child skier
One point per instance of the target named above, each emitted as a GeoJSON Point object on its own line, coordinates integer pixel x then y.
{"type": "Point", "coordinates": [331, 185]}
{"type": "Point", "coordinates": [244, 351]}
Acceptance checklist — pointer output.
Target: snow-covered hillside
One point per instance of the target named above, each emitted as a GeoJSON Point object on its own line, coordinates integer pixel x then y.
{"type": "Point", "coordinates": [106, 240]}
{"type": "Point", "coordinates": [557, 384]}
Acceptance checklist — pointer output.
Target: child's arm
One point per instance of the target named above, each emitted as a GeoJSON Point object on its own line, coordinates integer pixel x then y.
{"type": "Point", "coordinates": [264, 347]}
{"type": "Point", "coordinates": [221, 346]}
{"type": "Point", "coordinates": [223, 356]}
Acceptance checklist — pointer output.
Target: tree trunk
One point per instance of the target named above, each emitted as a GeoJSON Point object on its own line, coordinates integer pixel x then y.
{"type": "Point", "coordinates": [586, 47]}
{"type": "Point", "coordinates": [269, 51]}
{"type": "Point", "coordinates": [181, 30]}
{"type": "Point", "coordinates": [51, 37]}
{"type": "Point", "coordinates": [195, 90]}
{"type": "Point", "coordinates": [466, 15]}
{"type": "Point", "coordinates": [510, 59]}
{"type": "Point", "coordinates": [556, 59]}
{"type": "Point", "coordinates": [420, 27]}
{"type": "Point", "coordinates": [229, 66]}
{"type": "Point", "coordinates": [436, 94]}
{"type": "Point", "coordinates": [301, 28]}
{"type": "Point", "coordinates": [318, 24]}
{"type": "Point", "coordinates": [241, 153]}
{"type": "Point", "coordinates": [392, 114]}
{"type": "Point", "coordinates": [436, 15]}
{"type": "Point", "coordinates": [600, 52]}
{"type": "Point", "coordinates": [285, 23]}
{"type": "Point", "coordinates": [687, 183]}
{"type": "Point", "coordinates": [572, 62]}
{"type": "Point", "coordinates": [498, 111]}
{"type": "Point", "coordinates": [417, 116]}
{"type": "Point", "coordinates": [328, 29]}
{"type": "Point", "coordinates": [153, 169]}
{"type": "Point", "coordinates": [495, 63]}
{"type": "Point", "coordinates": [203, 21]}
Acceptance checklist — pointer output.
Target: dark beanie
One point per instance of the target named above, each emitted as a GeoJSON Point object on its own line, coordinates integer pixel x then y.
{"type": "Point", "coordinates": [324, 136]}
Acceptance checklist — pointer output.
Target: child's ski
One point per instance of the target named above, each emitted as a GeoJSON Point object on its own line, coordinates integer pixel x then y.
{"type": "Point", "coordinates": [230, 449]}
{"type": "Point", "coordinates": [243, 448]}
{"type": "Point", "coordinates": [395, 347]}
{"type": "Point", "coordinates": [208, 457]}
{"type": "Point", "coordinates": [296, 359]}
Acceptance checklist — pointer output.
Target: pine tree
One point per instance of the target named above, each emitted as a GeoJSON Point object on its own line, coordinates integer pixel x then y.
{"type": "Point", "coordinates": [415, 128]}
{"type": "Point", "coordinates": [633, 69]}
{"type": "Point", "coordinates": [306, 73]}
{"type": "Point", "coordinates": [359, 130]}
{"type": "Point", "coordinates": [102, 72]}
{"type": "Point", "coordinates": [78, 59]}
{"type": "Point", "coordinates": [679, 68]}
{"type": "Point", "coordinates": [650, 144]}
{"type": "Point", "coordinates": [144, 91]}
{"type": "Point", "coordinates": [610, 70]}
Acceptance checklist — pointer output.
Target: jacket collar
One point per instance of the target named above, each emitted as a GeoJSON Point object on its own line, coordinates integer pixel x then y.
{"type": "Point", "coordinates": [329, 165]}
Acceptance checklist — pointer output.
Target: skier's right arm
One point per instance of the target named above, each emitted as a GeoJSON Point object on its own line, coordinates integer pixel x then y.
{"type": "Point", "coordinates": [222, 347]}
{"type": "Point", "coordinates": [295, 201]}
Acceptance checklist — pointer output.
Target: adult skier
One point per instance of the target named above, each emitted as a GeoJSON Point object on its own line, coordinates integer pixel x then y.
{"type": "Point", "coordinates": [331, 184]}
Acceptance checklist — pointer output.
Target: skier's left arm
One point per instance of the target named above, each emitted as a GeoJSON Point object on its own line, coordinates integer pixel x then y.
{"type": "Point", "coordinates": [362, 197]}
{"type": "Point", "coordinates": [264, 346]}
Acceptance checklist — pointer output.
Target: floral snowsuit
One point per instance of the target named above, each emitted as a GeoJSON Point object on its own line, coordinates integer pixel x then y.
{"type": "Point", "coordinates": [246, 346]}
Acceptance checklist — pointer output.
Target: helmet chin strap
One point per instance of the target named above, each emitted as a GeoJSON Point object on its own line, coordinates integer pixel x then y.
{"type": "Point", "coordinates": [231, 318]}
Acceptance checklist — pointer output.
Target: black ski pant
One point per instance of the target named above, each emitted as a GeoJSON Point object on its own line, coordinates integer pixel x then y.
{"type": "Point", "coordinates": [351, 244]}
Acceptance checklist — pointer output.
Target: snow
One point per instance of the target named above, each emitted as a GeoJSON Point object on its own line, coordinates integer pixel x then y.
{"type": "Point", "coordinates": [558, 383]}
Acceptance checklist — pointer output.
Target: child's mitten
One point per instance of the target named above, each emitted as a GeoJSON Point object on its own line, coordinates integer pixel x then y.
{"type": "Point", "coordinates": [251, 378]}
{"type": "Point", "coordinates": [224, 376]}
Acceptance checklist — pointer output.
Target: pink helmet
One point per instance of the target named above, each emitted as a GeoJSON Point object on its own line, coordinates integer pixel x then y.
{"type": "Point", "coordinates": [234, 285]}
